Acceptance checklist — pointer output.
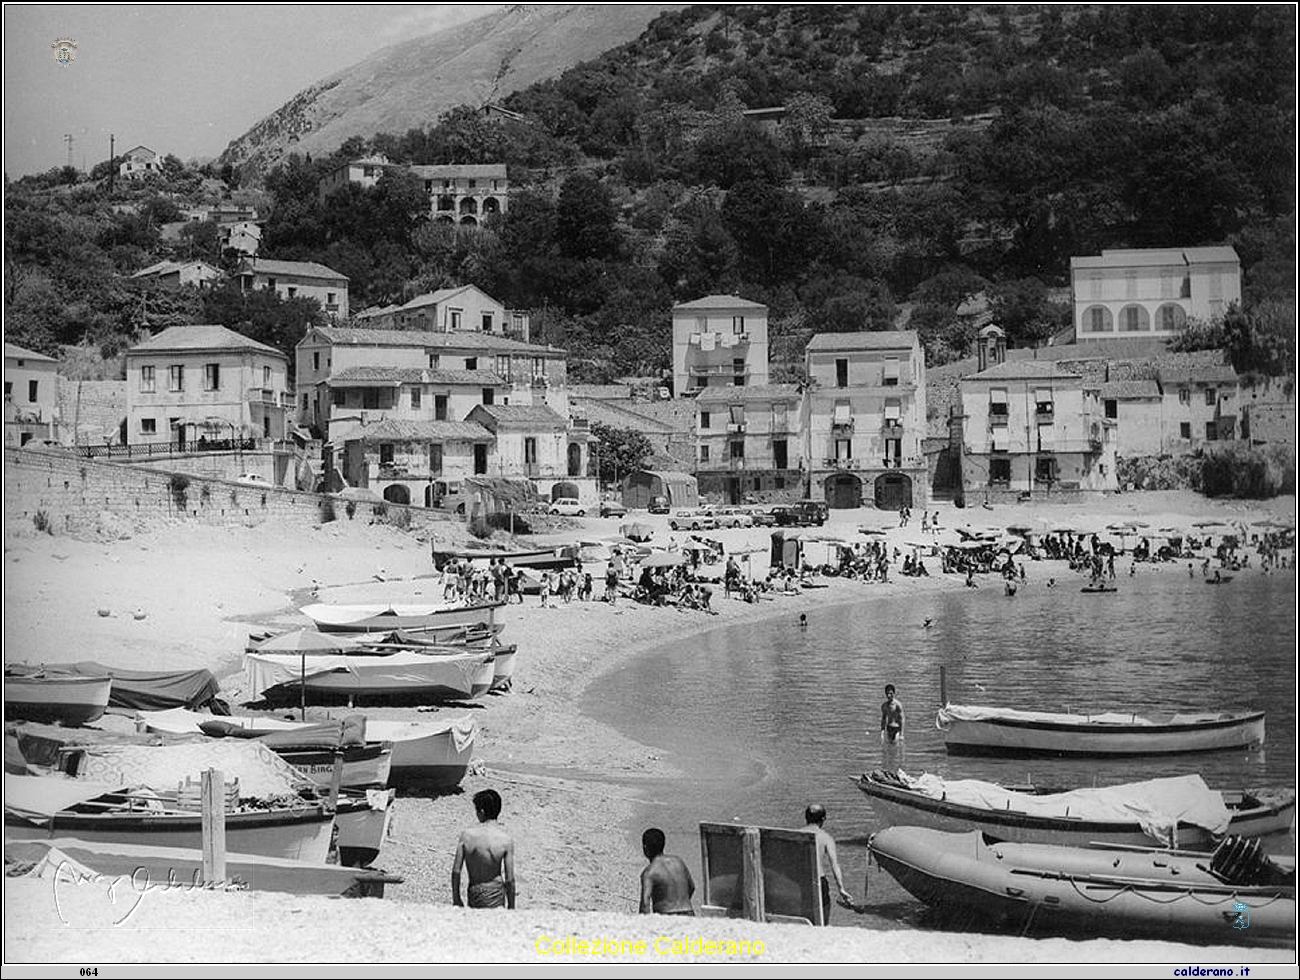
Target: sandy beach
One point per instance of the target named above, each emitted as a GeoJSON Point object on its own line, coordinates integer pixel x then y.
{"type": "Point", "coordinates": [182, 595]}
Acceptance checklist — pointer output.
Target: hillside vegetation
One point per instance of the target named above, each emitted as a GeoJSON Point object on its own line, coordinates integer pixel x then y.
{"type": "Point", "coordinates": [927, 155]}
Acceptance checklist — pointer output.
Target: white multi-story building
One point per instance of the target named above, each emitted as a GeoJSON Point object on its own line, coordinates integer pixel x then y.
{"type": "Point", "coordinates": [865, 419]}
{"type": "Point", "coordinates": [1151, 292]}
{"type": "Point", "coordinates": [718, 340]}
{"type": "Point", "coordinates": [31, 396]}
{"type": "Point", "coordinates": [748, 442]}
{"type": "Point", "coordinates": [298, 279]}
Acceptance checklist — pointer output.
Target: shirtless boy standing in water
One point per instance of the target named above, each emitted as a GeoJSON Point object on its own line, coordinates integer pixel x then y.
{"type": "Point", "coordinates": [891, 730]}
{"type": "Point", "coordinates": [666, 885]}
{"type": "Point", "coordinates": [489, 854]}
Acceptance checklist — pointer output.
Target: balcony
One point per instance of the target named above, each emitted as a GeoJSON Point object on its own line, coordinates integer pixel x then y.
{"type": "Point", "coordinates": [837, 463]}
{"type": "Point", "coordinates": [736, 427]}
{"type": "Point", "coordinates": [736, 463]}
{"type": "Point", "coordinates": [532, 469]}
{"type": "Point", "coordinates": [716, 371]}
{"type": "Point", "coordinates": [266, 396]}
{"type": "Point", "coordinates": [892, 429]}
{"type": "Point", "coordinates": [842, 425]}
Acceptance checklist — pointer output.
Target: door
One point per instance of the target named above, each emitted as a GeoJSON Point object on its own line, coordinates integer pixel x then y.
{"type": "Point", "coordinates": [480, 459]}
{"type": "Point", "coordinates": [843, 491]}
{"type": "Point", "coordinates": [893, 491]}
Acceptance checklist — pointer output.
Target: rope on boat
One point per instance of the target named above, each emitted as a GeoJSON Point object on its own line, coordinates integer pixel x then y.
{"type": "Point", "coordinates": [1189, 893]}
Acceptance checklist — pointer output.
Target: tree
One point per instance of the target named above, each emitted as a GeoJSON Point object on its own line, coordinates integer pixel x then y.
{"type": "Point", "coordinates": [1261, 340]}
{"type": "Point", "coordinates": [261, 315]}
{"type": "Point", "coordinates": [620, 451]}
{"type": "Point", "coordinates": [585, 217]}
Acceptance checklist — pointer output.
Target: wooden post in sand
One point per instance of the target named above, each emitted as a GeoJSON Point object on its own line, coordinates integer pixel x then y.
{"type": "Point", "coordinates": [752, 874]}
{"type": "Point", "coordinates": [213, 825]}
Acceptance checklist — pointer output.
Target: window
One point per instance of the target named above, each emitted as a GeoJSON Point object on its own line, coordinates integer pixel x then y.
{"type": "Point", "coordinates": [841, 372]}
{"type": "Point", "coordinates": [270, 284]}
{"type": "Point", "coordinates": [894, 452]}
{"type": "Point", "coordinates": [999, 472]}
{"type": "Point", "coordinates": [738, 366]}
{"type": "Point", "coordinates": [440, 408]}
{"type": "Point", "coordinates": [487, 322]}
{"type": "Point", "coordinates": [998, 402]}
{"type": "Point", "coordinates": [780, 417]}
{"type": "Point", "coordinates": [891, 371]}
{"type": "Point", "coordinates": [9, 389]}
{"type": "Point", "coordinates": [370, 398]}
{"type": "Point", "coordinates": [330, 299]}
{"type": "Point", "coordinates": [1210, 396]}
{"type": "Point", "coordinates": [503, 366]}
{"type": "Point", "coordinates": [1000, 440]}
{"type": "Point", "coordinates": [1210, 432]}
{"type": "Point", "coordinates": [146, 377]}
{"type": "Point", "coordinates": [1133, 319]}
{"type": "Point", "coordinates": [471, 364]}
{"type": "Point", "coordinates": [1044, 470]}
{"type": "Point", "coordinates": [1184, 396]}
{"type": "Point", "coordinates": [315, 360]}
{"type": "Point", "coordinates": [435, 459]}
{"type": "Point", "coordinates": [1096, 319]}
{"type": "Point", "coordinates": [704, 454]}
{"type": "Point", "coordinates": [489, 396]}
{"type": "Point", "coordinates": [737, 324]}
{"type": "Point", "coordinates": [385, 453]}
{"type": "Point", "coordinates": [704, 420]}
{"type": "Point", "coordinates": [893, 411]}
{"type": "Point", "coordinates": [455, 319]}
{"type": "Point", "coordinates": [539, 368]}
{"type": "Point", "coordinates": [338, 396]}
{"type": "Point", "coordinates": [416, 396]}
{"type": "Point", "coordinates": [176, 377]}
{"type": "Point", "coordinates": [737, 414]}
{"type": "Point", "coordinates": [148, 427]}
{"type": "Point", "coordinates": [212, 377]}
{"type": "Point", "coordinates": [1043, 403]}
{"type": "Point", "coordinates": [472, 183]}
{"type": "Point", "coordinates": [305, 403]}
{"type": "Point", "coordinates": [266, 427]}
{"type": "Point", "coordinates": [737, 449]}
{"type": "Point", "coordinates": [1184, 430]}
{"type": "Point", "coordinates": [433, 362]}
{"type": "Point", "coordinates": [780, 453]}
{"type": "Point", "coordinates": [1171, 317]}
{"type": "Point", "coordinates": [266, 377]}
{"type": "Point", "coordinates": [843, 449]}
{"type": "Point", "coordinates": [1046, 438]}
{"type": "Point", "coordinates": [843, 413]}
{"type": "Point", "coordinates": [1112, 408]}
{"type": "Point", "coordinates": [530, 450]}
{"type": "Point", "coordinates": [293, 291]}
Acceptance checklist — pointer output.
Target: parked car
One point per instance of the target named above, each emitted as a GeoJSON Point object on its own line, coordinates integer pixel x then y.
{"type": "Point", "coordinates": [765, 518]}
{"type": "Point", "coordinates": [784, 516]}
{"type": "Point", "coordinates": [693, 520]}
{"type": "Point", "coordinates": [253, 480]}
{"type": "Point", "coordinates": [612, 508]}
{"type": "Point", "coordinates": [811, 512]}
{"type": "Point", "coordinates": [658, 505]}
{"type": "Point", "coordinates": [568, 507]}
{"type": "Point", "coordinates": [734, 517]}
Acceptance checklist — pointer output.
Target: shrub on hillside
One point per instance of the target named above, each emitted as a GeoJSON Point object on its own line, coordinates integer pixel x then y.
{"type": "Point", "coordinates": [1240, 471]}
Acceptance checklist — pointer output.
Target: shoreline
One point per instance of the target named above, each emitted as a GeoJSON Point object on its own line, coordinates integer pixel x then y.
{"type": "Point", "coordinates": [571, 784]}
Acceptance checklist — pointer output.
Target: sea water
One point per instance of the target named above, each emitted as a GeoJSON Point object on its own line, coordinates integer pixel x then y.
{"type": "Point", "coordinates": [765, 718]}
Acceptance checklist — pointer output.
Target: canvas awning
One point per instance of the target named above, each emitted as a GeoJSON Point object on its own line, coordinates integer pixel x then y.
{"type": "Point", "coordinates": [44, 796]}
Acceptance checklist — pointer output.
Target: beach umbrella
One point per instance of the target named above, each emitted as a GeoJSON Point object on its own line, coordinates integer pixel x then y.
{"type": "Point", "coordinates": [662, 559]}
{"type": "Point", "coordinates": [637, 532]}
{"type": "Point", "coordinates": [308, 641]}
{"type": "Point", "coordinates": [1209, 524]}
{"type": "Point", "coordinates": [1138, 524]}
{"type": "Point", "coordinates": [870, 530]}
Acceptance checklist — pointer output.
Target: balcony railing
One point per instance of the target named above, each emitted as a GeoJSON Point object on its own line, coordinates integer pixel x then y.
{"type": "Point", "coordinates": [837, 463]}
{"type": "Point", "coordinates": [892, 429]}
{"type": "Point", "coordinates": [532, 469]}
{"type": "Point", "coordinates": [736, 463]}
{"type": "Point", "coordinates": [266, 396]}
{"type": "Point", "coordinates": [736, 427]}
{"type": "Point", "coordinates": [716, 371]}
{"type": "Point", "coordinates": [842, 425]}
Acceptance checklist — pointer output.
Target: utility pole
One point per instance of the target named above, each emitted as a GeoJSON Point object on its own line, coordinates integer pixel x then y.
{"type": "Point", "coordinates": [67, 138]}
{"type": "Point", "coordinates": [112, 170]}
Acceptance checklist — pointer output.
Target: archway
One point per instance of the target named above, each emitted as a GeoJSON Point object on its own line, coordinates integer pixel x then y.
{"type": "Point", "coordinates": [561, 491]}
{"type": "Point", "coordinates": [469, 219]}
{"type": "Point", "coordinates": [893, 491]}
{"type": "Point", "coordinates": [396, 493]}
{"type": "Point", "coordinates": [490, 206]}
{"type": "Point", "coordinates": [843, 491]}
{"type": "Point", "coordinates": [468, 205]}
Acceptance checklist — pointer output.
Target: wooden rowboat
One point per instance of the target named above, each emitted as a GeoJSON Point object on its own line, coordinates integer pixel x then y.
{"type": "Point", "coordinates": [1082, 817]}
{"type": "Point", "coordinates": [973, 730]}
{"type": "Point", "coordinates": [384, 619]}
{"type": "Point", "coordinates": [148, 866]}
{"type": "Point", "coordinates": [39, 694]}
{"type": "Point", "coordinates": [1075, 891]}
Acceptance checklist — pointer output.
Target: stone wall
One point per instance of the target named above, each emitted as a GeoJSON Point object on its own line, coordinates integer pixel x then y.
{"type": "Point", "coordinates": [91, 499]}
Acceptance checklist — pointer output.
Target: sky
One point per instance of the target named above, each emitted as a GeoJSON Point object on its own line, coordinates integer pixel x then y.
{"type": "Point", "coordinates": [179, 78]}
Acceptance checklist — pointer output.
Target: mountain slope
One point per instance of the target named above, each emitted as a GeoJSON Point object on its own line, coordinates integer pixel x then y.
{"type": "Point", "coordinates": [410, 84]}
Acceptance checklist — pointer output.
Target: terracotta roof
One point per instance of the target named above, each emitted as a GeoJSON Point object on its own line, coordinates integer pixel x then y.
{"type": "Point", "coordinates": [1024, 371]}
{"type": "Point", "coordinates": [470, 339]}
{"type": "Point", "coordinates": [1120, 258]}
{"type": "Point", "coordinates": [718, 302]}
{"type": "Point", "coordinates": [368, 375]}
{"type": "Point", "coordinates": [747, 393]}
{"type": "Point", "coordinates": [1197, 374]}
{"type": "Point", "coordinates": [281, 267]}
{"type": "Point", "coordinates": [409, 430]}
{"type": "Point", "coordinates": [863, 340]}
{"type": "Point", "coordinates": [13, 350]}
{"type": "Point", "coordinates": [205, 336]}
{"type": "Point", "coordinates": [523, 415]}
{"type": "Point", "coordinates": [436, 170]}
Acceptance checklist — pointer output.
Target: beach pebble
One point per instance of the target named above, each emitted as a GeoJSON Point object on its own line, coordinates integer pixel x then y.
{"type": "Point", "coordinates": [139, 614]}
{"type": "Point", "coordinates": [105, 612]}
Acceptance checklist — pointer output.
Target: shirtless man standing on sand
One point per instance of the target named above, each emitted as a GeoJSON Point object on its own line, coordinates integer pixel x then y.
{"type": "Point", "coordinates": [666, 885]}
{"type": "Point", "coordinates": [489, 854]}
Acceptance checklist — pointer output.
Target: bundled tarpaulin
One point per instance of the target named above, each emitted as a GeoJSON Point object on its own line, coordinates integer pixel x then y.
{"type": "Point", "coordinates": [38, 798]}
{"type": "Point", "coordinates": [280, 735]}
{"type": "Point", "coordinates": [395, 673]}
{"type": "Point", "coordinates": [1157, 805]}
{"type": "Point", "coordinates": [261, 773]}
{"type": "Point", "coordinates": [57, 747]}
{"type": "Point", "coordinates": [153, 690]}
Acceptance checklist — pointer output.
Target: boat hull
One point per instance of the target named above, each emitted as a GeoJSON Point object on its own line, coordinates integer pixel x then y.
{"type": "Point", "coordinates": [385, 619]}
{"type": "Point", "coordinates": [63, 699]}
{"type": "Point", "coordinates": [181, 867]}
{"type": "Point", "coordinates": [298, 834]}
{"type": "Point", "coordinates": [1076, 891]}
{"type": "Point", "coordinates": [1012, 737]}
{"type": "Point", "coordinates": [424, 758]}
{"type": "Point", "coordinates": [364, 766]}
{"type": "Point", "coordinates": [895, 806]}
